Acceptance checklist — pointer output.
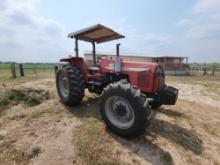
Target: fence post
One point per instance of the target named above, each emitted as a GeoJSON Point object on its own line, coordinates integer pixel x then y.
{"type": "Point", "coordinates": [205, 71]}
{"type": "Point", "coordinates": [13, 70]}
{"type": "Point", "coordinates": [35, 71]}
{"type": "Point", "coordinates": [21, 70]}
{"type": "Point", "coordinates": [55, 68]}
{"type": "Point", "coordinates": [213, 71]}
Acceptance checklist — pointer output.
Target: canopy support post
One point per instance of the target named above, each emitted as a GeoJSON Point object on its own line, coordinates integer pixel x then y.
{"type": "Point", "coordinates": [76, 47]}
{"type": "Point", "coordinates": [94, 53]}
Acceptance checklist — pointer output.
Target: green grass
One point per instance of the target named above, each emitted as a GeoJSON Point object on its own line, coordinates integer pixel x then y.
{"type": "Point", "coordinates": [30, 75]}
{"type": "Point", "coordinates": [4, 101]}
{"type": "Point", "coordinates": [17, 95]}
{"type": "Point", "coordinates": [35, 152]}
{"type": "Point", "coordinates": [208, 65]}
{"type": "Point", "coordinates": [29, 97]}
{"type": "Point", "coordinates": [193, 79]}
{"type": "Point", "coordinates": [29, 65]}
{"type": "Point", "coordinates": [34, 71]}
{"type": "Point", "coordinates": [167, 159]}
{"type": "Point", "coordinates": [32, 101]}
{"type": "Point", "coordinates": [4, 66]}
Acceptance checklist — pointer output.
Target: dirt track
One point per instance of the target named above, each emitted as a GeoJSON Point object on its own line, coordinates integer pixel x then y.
{"type": "Point", "coordinates": [51, 133]}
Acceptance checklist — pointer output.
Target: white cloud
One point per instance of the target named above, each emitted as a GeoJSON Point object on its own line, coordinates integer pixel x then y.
{"type": "Point", "coordinates": [204, 23]}
{"type": "Point", "coordinates": [136, 41]}
{"type": "Point", "coordinates": [201, 32]}
{"type": "Point", "coordinates": [204, 6]}
{"type": "Point", "coordinates": [150, 42]}
{"type": "Point", "coordinates": [204, 31]}
{"type": "Point", "coordinates": [186, 22]}
{"type": "Point", "coordinates": [25, 35]}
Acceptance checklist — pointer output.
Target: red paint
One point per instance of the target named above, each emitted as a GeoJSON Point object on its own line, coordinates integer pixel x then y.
{"type": "Point", "coordinates": [146, 80]}
{"type": "Point", "coordinates": [152, 82]}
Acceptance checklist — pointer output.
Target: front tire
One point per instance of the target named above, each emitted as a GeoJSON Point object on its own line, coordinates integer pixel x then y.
{"type": "Point", "coordinates": [70, 85]}
{"type": "Point", "coordinates": [124, 109]}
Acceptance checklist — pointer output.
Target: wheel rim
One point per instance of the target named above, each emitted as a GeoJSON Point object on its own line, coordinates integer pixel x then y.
{"type": "Point", "coordinates": [63, 85]}
{"type": "Point", "coordinates": [119, 112]}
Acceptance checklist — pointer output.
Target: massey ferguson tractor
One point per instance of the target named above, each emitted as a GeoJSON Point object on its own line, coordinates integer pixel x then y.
{"type": "Point", "coordinates": [129, 90]}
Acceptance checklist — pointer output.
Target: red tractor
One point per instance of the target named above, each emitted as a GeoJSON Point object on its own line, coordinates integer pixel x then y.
{"type": "Point", "coordinates": [129, 90]}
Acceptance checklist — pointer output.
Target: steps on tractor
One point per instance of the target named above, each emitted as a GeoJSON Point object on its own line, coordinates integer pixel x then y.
{"type": "Point", "coordinates": [94, 68]}
{"type": "Point", "coordinates": [96, 85]}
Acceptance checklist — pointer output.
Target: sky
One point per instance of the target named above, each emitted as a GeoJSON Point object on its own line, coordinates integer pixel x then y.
{"type": "Point", "coordinates": [36, 30]}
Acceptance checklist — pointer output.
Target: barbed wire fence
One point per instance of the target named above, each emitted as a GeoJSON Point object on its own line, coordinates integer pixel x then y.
{"type": "Point", "coordinates": [15, 70]}
{"type": "Point", "coordinates": [205, 69]}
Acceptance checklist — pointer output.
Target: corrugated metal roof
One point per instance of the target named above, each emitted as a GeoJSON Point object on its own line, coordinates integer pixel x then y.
{"type": "Point", "coordinates": [97, 33]}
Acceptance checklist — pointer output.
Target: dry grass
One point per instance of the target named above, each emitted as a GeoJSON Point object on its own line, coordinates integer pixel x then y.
{"type": "Point", "coordinates": [36, 114]}
{"type": "Point", "coordinates": [11, 155]}
{"type": "Point", "coordinates": [27, 96]}
{"type": "Point", "coordinates": [51, 133]}
{"type": "Point", "coordinates": [179, 135]}
{"type": "Point", "coordinates": [190, 79]}
{"type": "Point", "coordinates": [94, 145]}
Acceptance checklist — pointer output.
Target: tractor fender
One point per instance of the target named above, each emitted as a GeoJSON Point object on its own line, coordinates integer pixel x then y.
{"type": "Point", "coordinates": [78, 62]}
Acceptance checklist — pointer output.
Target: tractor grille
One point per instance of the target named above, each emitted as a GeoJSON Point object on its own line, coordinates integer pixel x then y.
{"type": "Point", "coordinates": [162, 82]}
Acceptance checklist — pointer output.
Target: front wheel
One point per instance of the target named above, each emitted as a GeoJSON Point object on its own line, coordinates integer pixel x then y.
{"type": "Point", "coordinates": [124, 109]}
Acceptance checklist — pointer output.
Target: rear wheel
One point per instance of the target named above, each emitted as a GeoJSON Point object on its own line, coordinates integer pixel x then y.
{"type": "Point", "coordinates": [124, 109]}
{"type": "Point", "coordinates": [70, 85]}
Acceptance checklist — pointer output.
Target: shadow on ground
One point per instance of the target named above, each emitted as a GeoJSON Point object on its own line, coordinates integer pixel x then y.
{"type": "Point", "coordinates": [146, 149]}
{"type": "Point", "coordinates": [142, 146]}
{"type": "Point", "coordinates": [170, 112]}
{"type": "Point", "coordinates": [188, 139]}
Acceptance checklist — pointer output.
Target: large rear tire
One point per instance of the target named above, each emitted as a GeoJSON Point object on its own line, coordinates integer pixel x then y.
{"type": "Point", "coordinates": [70, 85]}
{"type": "Point", "coordinates": [124, 109]}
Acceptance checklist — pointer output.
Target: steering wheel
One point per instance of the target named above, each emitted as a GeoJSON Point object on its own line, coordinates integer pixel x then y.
{"type": "Point", "coordinates": [102, 57]}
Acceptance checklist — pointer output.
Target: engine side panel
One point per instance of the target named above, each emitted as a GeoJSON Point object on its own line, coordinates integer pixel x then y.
{"type": "Point", "coordinates": [141, 75]}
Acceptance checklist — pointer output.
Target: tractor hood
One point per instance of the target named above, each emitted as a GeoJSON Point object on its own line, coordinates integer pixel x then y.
{"type": "Point", "coordinates": [140, 65]}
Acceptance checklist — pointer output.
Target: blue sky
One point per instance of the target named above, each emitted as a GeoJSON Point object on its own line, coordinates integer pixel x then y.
{"type": "Point", "coordinates": [36, 30]}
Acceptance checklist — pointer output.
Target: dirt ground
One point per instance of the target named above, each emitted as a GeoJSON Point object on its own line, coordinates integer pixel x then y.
{"type": "Point", "coordinates": [50, 133]}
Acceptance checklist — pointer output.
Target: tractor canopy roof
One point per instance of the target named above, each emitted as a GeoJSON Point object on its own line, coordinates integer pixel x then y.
{"type": "Point", "coordinates": [97, 33]}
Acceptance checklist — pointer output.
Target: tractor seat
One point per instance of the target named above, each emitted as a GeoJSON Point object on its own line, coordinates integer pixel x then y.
{"type": "Point", "coordinates": [94, 69]}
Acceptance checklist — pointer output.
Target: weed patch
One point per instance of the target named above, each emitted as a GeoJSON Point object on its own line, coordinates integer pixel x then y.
{"type": "Point", "coordinates": [32, 101]}
{"type": "Point", "coordinates": [29, 97]}
{"type": "Point", "coordinates": [4, 101]}
{"type": "Point", "coordinates": [167, 159]}
{"type": "Point", "coordinates": [35, 151]}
